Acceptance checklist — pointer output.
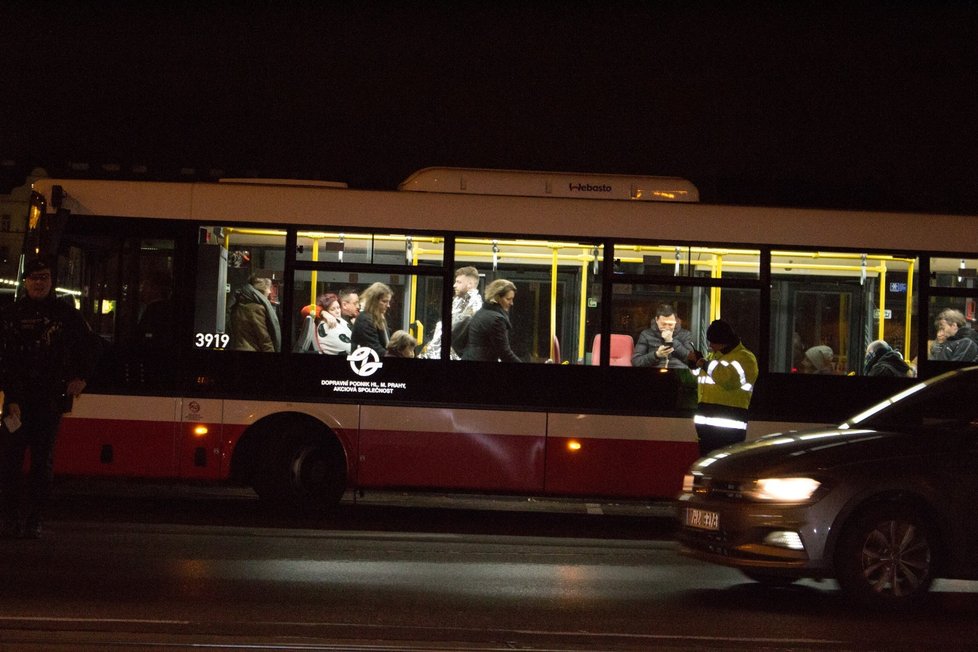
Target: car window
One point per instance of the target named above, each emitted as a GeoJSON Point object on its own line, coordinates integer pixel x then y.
{"type": "Point", "coordinates": [951, 404]}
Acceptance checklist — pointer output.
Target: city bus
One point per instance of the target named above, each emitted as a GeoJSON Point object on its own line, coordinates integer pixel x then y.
{"type": "Point", "coordinates": [591, 257]}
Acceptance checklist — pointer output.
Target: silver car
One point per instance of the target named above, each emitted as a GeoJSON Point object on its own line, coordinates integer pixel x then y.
{"type": "Point", "coordinates": [884, 503]}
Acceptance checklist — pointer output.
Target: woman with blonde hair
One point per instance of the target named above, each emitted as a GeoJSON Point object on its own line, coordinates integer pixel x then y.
{"type": "Point", "coordinates": [489, 329]}
{"type": "Point", "coordinates": [370, 327]}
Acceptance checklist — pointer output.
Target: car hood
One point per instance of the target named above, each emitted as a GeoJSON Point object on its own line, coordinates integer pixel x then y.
{"type": "Point", "coordinates": [812, 450]}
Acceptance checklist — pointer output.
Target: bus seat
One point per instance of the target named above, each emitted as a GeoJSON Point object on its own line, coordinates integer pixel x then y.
{"type": "Point", "coordinates": [622, 347]}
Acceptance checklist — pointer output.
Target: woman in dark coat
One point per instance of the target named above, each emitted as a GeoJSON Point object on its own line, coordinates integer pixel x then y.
{"type": "Point", "coordinates": [489, 328]}
{"type": "Point", "coordinates": [370, 326]}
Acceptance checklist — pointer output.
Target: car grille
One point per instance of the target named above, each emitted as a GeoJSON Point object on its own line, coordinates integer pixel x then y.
{"type": "Point", "coordinates": [704, 487]}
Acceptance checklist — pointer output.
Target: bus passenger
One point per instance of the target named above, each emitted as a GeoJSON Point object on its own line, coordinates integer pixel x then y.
{"type": "Point", "coordinates": [818, 360]}
{"type": "Point", "coordinates": [254, 323]}
{"type": "Point", "coordinates": [665, 343]}
{"type": "Point", "coordinates": [333, 334]}
{"type": "Point", "coordinates": [402, 345]}
{"type": "Point", "coordinates": [726, 378]}
{"type": "Point", "coordinates": [883, 360]}
{"type": "Point", "coordinates": [349, 305]}
{"type": "Point", "coordinates": [489, 329]}
{"type": "Point", "coordinates": [465, 303]}
{"type": "Point", "coordinates": [370, 327]}
{"type": "Point", "coordinates": [955, 338]}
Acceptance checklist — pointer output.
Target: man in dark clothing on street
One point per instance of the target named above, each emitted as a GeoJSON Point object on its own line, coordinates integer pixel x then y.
{"type": "Point", "coordinates": [47, 353]}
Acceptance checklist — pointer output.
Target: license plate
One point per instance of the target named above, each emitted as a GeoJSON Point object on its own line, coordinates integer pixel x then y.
{"type": "Point", "coordinates": [702, 519]}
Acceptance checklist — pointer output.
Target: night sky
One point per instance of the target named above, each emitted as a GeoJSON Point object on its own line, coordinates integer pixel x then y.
{"type": "Point", "coordinates": [860, 105]}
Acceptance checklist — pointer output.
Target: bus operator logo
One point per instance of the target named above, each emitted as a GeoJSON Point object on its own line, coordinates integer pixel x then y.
{"type": "Point", "coordinates": [365, 361]}
{"type": "Point", "coordinates": [588, 187]}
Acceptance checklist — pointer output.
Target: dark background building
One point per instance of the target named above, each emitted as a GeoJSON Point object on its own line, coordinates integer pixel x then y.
{"type": "Point", "coordinates": [857, 105]}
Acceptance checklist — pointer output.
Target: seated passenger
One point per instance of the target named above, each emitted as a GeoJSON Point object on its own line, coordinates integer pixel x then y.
{"type": "Point", "coordinates": [333, 334]}
{"type": "Point", "coordinates": [956, 340]}
{"type": "Point", "coordinates": [818, 360]}
{"type": "Point", "coordinates": [883, 360]}
{"type": "Point", "coordinates": [665, 343]}
{"type": "Point", "coordinates": [402, 345]}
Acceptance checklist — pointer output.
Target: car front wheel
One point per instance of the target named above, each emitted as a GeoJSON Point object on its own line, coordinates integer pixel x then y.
{"type": "Point", "coordinates": [886, 558]}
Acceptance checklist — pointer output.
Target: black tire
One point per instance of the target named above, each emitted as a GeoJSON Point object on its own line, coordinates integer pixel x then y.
{"type": "Point", "coordinates": [886, 558]}
{"type": "Point", "coordinates": [301, 472]}
{"type": "Point", "coordinates": [768, 579]}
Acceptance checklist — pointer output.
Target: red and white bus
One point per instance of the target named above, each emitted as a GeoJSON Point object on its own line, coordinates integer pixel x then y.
{"type": "Point", "coordinates": [591, 260]}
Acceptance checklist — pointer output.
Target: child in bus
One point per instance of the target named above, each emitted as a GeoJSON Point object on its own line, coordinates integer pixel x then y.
{"type": "Point", "coordinates": [401, 345]}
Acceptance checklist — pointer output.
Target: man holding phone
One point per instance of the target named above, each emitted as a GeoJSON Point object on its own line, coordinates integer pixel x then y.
{"type": "Point", "coordinates": [665, 344]}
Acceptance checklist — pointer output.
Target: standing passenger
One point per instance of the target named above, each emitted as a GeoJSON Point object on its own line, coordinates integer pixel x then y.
{"type": "Point", "coordinates": [465, 304]}
{"type": "Point", "coordinates": [489, 329]}
{"type": "Point", "coordinates": [254, 323]}
{"type": "Point", "coordinates": [370, 327]}
{"type": "Point", "coordinates": [48, 352]}
{"type": "Point", "coordinates": [349, 305]}
{"type": "Point", "coordinates": [726, 380]}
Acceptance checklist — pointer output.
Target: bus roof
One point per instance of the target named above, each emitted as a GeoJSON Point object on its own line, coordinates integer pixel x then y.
{"type": "Point", "coordinates": [525, 183]}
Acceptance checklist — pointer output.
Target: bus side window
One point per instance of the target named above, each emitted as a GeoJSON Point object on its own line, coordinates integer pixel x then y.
{"type": "Point", "coordinates": [239, 272]}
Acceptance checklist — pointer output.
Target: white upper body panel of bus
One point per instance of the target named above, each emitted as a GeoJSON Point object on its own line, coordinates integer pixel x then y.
{"type": "Point", "coordinates": [397, 211]}
{"type": "Point", "coordinates": [522, 183]}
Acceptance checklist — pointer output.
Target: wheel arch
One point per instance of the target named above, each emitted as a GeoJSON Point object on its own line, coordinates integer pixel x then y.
{"type": "Point", "coordinates": [257, 437]}
{"type": "Point", "coordinates": [891, 498]}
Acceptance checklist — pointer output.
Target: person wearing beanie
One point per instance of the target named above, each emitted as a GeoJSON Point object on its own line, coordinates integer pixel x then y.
{"type": "Point", "coordinates": [47, 351]}
{"type": "Point", "coordinates": [818, 360]}
{"type": "Point", "coordinates": [726, 377]}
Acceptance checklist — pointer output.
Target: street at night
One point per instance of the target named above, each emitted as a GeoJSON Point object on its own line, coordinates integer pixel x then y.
{"type": "Point", "coordinates": [104, 576]}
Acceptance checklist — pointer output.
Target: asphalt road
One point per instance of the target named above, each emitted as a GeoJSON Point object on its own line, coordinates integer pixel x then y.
{"type": "Point", "coordinates": [149, 568]}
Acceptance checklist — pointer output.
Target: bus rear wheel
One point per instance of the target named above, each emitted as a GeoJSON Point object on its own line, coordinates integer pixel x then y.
{"type": "Point", "coordinates": [301, 472]}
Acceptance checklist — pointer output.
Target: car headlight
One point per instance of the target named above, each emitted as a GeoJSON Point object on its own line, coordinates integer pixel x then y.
{"type": "Point", "coordinates": [781, 490]}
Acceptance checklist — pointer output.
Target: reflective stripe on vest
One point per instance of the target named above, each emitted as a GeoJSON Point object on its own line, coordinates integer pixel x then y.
{"type": "Point", "coordinates": [720, 422]}
{"type": "Point", "coordinates": [707, 378]}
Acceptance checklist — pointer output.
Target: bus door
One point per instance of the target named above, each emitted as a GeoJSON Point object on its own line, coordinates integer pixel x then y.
{"type": "Point", "coordinates": [124, 424]}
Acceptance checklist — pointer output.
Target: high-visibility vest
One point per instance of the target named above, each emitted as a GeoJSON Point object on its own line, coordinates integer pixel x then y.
{"type": "Point", "coordinates": [728, 378]}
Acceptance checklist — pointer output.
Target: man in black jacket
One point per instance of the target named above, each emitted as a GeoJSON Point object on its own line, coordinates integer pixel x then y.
{"type": "Point", "coordinates": [883, 360]}
{"type": "Point", "coordinates": [48, 351]}
{"type": "Point", "coordinates": [665, 343]}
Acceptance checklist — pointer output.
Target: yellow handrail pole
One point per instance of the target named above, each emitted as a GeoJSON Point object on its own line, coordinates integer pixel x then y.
{"type": "Point", "coordinates": [880, 331]}
{"type": "Point", "coordinates": [314, 276]}
{"type": "Point", "coordinates": [553, 302]}
{"type": "Point", "coordinates": [582, 313]}
{"type": "Point", "coordinates": [716, 272]}
{"type": "Point", "coordinates": [908, 317]}
{"type": "Point", "coordinates": [413, 310]}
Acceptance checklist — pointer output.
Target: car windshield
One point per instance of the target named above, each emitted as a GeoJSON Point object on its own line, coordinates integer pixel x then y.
{"type": "Point", "coordinates": [948, 401]}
